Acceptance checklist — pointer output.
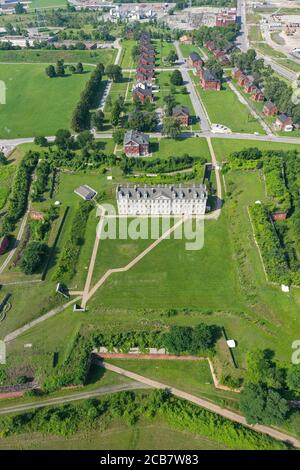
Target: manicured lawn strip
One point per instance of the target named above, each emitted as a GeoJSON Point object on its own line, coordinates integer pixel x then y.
{"type": "Point", "coordinates": [195, 147]}
{"type": "Point", "coordinates": [118, 435]}
{"type": "Point", "coordinates": [41, 4]}
{"type": "Point", "coordinates": [187, 49]}
{"type": "Point", "coordinates": [290, 64]}
{"type": "Point", "coordinates": [267, 50]}
{"type": "Point", "coordinates": [224, 147]}
{"type": "Point", "coordinates": [223, 107]}
{"type": "Point", "coordinates": [37, 104]}
{"type": "Point", "coordinates": [255, 33]}
{"type": "Point", "coordinates": [105, 56]}
{"type": "Point", "coordinates": [162, 49]}
{"type": "Point", "coordinates": [126, 61]}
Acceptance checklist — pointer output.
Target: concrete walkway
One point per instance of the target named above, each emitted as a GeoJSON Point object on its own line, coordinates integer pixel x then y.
{"type": "Point", "coordinates": [233, 416]}
{"type": "Point", "coordinates": [74, 397]}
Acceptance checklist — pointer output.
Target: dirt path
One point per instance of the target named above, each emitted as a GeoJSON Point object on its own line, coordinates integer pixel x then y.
{"type": "Point", "coordinates": [17, 241]}
{"type": "Point", "coordinates": [233, 416]}
{"type": "Point", "coordinates": [134, 261]}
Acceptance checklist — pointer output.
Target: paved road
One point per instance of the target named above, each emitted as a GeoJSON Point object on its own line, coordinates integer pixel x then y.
{"type": "Point", "coordinates": [233, 416]}
{"type": "Point", "coordinates": [108, 389]}
{"type": "Point", "coordinates": [199, 108]}
{"type": "Point", "coordinates": [243, 43]}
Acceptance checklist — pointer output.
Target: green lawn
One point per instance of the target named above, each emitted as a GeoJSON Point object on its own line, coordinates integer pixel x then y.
{"type": "Point", "coordinates": [187, 49]}
{"type": "Point", "coordinates": [195, 147]}
{"type": "Point", "coordinates": [290, 64]}
{"type": "Point", "coordinates": [223, 107]}
{"type": "Point", "coordinates": [265, 49]}
{"type": "Point", "coordinates": [126, 61]}
{"type": "Point", "coordinates": [36, 104]}
{"type": "Point", "coordinates": [41, 4]}
{"type": "Point", "coordinates": [191, 376]}
{"type": "Point", "coordinates": [105, 56]}
{"type": "Point", "coordinates": [255, 33]}
{"type": "Point", "coordinates": [224, 147]}
{"type": "Point", "coordinates": [144, 435]}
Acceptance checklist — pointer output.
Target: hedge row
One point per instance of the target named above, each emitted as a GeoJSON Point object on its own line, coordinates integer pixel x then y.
{"type": "Point", "coordinates": [66, 267]}
{"type": "Point", "coordinates": [272, 252]}
{"type": "Point", "coordinates": [274, 176]}
{"type": "Point", "coordinates": [17, 202]}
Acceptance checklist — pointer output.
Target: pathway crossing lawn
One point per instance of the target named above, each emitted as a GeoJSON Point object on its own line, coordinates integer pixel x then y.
{"type": "Point", "coordinates": [223, 107]}
{"type": "Point", "coordinates": [191, 376]}
{"type": "Point", "coordinates": [117, 435]}
{"type": "Point", "coordinates": [105, 56]}
{"type": "Point", "coordinates": [224, 147]}
{"type": "Point", "coordinates": [35, 103]}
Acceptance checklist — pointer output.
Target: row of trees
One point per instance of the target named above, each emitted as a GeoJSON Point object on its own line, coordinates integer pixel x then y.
{"type": "Point", "coordinates": [88, 98]}
{"type": "Point", "coordinates": [17, 202]}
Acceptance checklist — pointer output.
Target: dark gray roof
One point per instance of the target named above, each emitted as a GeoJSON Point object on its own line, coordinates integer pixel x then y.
{"type": "Point", "coordinates": [162, 191]}
{"type": "Point", "coordinates": [269, 105]}
{"type": "Point", "coordinates": [195, 56]}
{"type": "Point", "coordinates": [180, 110]}
{"type": "Point", "coordinates": [209, 76]}
{"type": "Point", "coordinates": [85, 192]}
{"type": "Point", "coordinates": [283, 117]}
{"type": "Point", "coordinates": [136, 137]}
{"type": "Point", "coordinates": [147, 91]}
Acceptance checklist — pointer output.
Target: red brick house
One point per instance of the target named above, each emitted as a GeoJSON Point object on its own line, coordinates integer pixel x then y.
{"type": "Point", "coordinates": [146, 60]}
{"type": "Point", "coordinates": [242, 79]}
{"type": "Point", "coordinates": [186, 40]}
{"type": "Point", "coordinates": [236, 73]}
{"type": "Point", "coordinates": [270, 109]}
{"type": "Point", "coordinates": [210, 45]}
{"type": "Point", "coordinates": [249, 86]}
{"type": "Point", "coordinates": [4, 243]}
{"type": "Point", "coordinates": [284, 123]}
{"type": "Point", "coordinates": [279, 215]}
{"type": "Point", "coordinates": [210, 81]}
{"type": "Point", "coordinates": [182, 113]}
{"type": "Point", "coordinates": [194, 60]}
{"type": "Point", "coordinates": [136, 144]}
{"type": "Point", "coordinates": [257, 95]}
{"type": "Point", "coordinates": [143, 93]}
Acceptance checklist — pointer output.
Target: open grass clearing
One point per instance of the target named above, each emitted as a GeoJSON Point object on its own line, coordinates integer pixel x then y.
{"type": "Point", "coordinates": [104, 56]}
{"type": "Point", "coordinates": [35, 103]}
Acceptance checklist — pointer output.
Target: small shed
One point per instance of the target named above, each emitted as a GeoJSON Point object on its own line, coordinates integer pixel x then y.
{"type": "Point", "coordinates": [85, 192]}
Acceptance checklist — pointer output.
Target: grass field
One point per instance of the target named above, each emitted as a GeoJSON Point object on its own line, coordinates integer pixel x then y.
{"type": "Point", "coordinates": [36, 104]}
{"type": "Point", "coordinates": [105, 56]}
{"type": "Point", "coordinates": [255, 33]}
{"type": "Point", "coordinates": [265, 49]}
{"type": "Point", "coordinates": [41, 4]}
{"type": "Point", "coordinates": [144, 435]}
{"type": "Point", "coordinates": [220, 106]}
{"type": "Point", "coordinates": [191, 376]}
{"type": "Point", "coordinates": [187, 49]}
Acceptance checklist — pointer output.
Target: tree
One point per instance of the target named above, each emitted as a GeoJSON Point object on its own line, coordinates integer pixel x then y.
{"type": "Point", "coordinates": [171, 127]}
{"type": "Point", "coordinates": [215, 67]}
{"type": "Point", "coordinates": [262, 405]}
{"type": "Point", "coordinates": [176, 78]}
{"type": "Point", "coordinates": [60, 68]}
{"type": "Point", "coordinates": [262, 369]}
{"type": "Point", "coordinates": [202, 338]}
{"type": "Point", "coordinates": [114, 72]}
{"type": "Point", "coordinates": [63, 139]}
{"type": "Point", "coordinates": [84, 138]}
{"type": "Point", "coordinates": [72, 69]}
{"type": "Point", "coordinates": [172, 57]}
{"type": "Point", "coordinates": [135, 52]}
{"type": "Point", "coordinates": [33, 257]}
{"type": "Point", "coordinates": [98, 119]}
{"type": "Point", "coordinates": [50, 71]}
{"type": "Point", "coordinates": [19, 9]}
{"type": "Point", "coordinates": [3, 159]}
{"type": "Point", "coordinates": [179, 339]}
{"type": "Point", "coordinates": [293, 378]}
{"type": "Point", "coordinates": [79, 68]}
{"type": "Point", "coordinates": [41, 141]}
{"type": "Point", "coordinates": [118, 136]}
{"type": "Point", "coordinates": [170, 103]}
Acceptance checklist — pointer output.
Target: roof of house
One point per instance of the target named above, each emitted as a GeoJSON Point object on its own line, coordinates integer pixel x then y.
{"type": "Point", "coordinates": [146, 91]}
{"type": "Point", "coordinates": [269, 105]}
{"type": "Point", "coordinates": [283, 118]}
{"type": "Point", "coordinates": [162, 192]}
{"type": "Point", "coordinates": [194, 56]}
{"type": "Point", "coordinates": [209, 76]}
{"type": "Point", "coordinates": [136, 137]}
{"type": "Point", "coordinates": [85, 192]}
{"type": "Point", "coordinates": [177, 110]}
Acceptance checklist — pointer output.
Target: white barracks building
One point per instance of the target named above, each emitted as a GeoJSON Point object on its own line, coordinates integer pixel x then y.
{"type": "Point", "coordinates": [161, 199]}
